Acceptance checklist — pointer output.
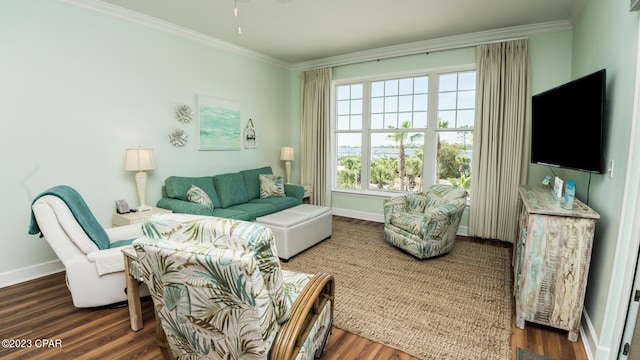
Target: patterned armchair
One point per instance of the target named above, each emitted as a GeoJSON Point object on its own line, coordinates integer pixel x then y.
{"type": "Point", "coordinates": [219, 292]}
{"type": "Point", "coordinates": [425, 224]}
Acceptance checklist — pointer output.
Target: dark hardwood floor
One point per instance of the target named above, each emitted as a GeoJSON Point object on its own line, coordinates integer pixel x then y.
{"type": "Point", "coordinates": [39, 321]}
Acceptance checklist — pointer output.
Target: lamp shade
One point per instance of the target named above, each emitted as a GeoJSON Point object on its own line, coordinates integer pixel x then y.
{"type": "Point", "coordinates": [286, 153]}
{"type": "Point", "coordinates": [139, 160]}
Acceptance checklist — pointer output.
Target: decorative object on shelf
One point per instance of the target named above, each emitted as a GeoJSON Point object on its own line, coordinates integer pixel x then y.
{"type": "Point", "coordinates": [122, 207]}
{"type": "Point", "coordinates": [184, 114]}
{"type": "Point", "coordinates": [178, 138]}
{"type": "Point", "coordinates": [286, 155]}
{"type": "Point", "coordinates": [250, 141]}
{"type": "Point", "coordinates": [219, 122]}
{"type": "Point", "coordinates": [140, 160]}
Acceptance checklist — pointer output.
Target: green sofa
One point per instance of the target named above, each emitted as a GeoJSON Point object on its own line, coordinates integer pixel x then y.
{"type": "Point", "coordinates": [234, 195]}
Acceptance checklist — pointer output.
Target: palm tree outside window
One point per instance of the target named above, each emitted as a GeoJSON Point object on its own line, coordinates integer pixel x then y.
{"type": "Point", "coordinates": [395, 135]}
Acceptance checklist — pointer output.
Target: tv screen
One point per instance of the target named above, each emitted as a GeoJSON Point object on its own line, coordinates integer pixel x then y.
{"type": "Point", "coordinates": [567, 125]}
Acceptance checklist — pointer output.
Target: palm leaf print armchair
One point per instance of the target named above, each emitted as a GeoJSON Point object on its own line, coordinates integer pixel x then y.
{"type": "Point", "coordinates": [424, 224]}
{"type": "Point", "coordinates": [219, 292]}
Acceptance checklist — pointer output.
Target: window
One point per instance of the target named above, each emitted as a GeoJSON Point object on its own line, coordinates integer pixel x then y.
{"type": "Point", "coordinates": [454, 134]}
{"type": "Point", "coordinates": [396, 135]}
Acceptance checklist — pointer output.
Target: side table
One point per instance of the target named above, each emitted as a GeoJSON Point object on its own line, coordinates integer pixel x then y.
{"type": "Point", "coordinates": [132, 272]}
{"type": "Point", "coordinates": [308, 192]}
{"type": "Point", "coordinates": [135, 217]}
{"type": "Point", "coordinates": [133, 289]}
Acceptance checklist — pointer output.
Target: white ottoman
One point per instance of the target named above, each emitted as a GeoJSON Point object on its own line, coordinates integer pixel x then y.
{"type": "Point", "coordinates": [298, 228]}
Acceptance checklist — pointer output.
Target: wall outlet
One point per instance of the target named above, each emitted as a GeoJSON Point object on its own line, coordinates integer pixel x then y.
{"type": "Point", "coordinates": [610, 169]}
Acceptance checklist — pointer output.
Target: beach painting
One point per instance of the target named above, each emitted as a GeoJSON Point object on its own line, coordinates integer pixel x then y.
{"type": "Point", "coordinates": [219, 121]}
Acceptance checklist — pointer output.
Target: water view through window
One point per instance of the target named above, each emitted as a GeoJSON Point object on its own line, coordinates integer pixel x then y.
{"type": "Point", "coordinates": [385, 139]}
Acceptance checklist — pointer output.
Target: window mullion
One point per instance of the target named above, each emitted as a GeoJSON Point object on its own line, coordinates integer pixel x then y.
{"type": "Point", "coordinates": [429, 166]}
{"type": "Point", "coordinates": [366, 135]}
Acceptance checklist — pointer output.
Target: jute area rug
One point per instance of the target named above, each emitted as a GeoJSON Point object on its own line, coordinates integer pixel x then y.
{"type": "Point", "coordinates": [456, 306]}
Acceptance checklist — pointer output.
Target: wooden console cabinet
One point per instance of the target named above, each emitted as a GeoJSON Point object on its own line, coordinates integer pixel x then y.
{"type": "Point", "coordinates": [551, 260]}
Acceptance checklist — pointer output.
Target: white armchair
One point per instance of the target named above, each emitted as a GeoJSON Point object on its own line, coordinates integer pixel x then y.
{"type": "Point", "coordinates": [95, 277]}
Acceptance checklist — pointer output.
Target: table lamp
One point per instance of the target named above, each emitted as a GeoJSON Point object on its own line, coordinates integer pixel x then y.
{"type": "Point", "coordinates": [286, 155]}
{"type": "Point", "coordinates": [140, 160]}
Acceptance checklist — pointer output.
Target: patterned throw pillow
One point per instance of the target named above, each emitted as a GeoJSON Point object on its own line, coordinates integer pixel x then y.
{"type": "Point", "coordinates": [271, 185]}
{"type": "Point", "coordinates": [198, 196]}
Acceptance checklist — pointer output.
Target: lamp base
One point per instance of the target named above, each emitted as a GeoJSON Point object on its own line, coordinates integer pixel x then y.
{"type": "Point", "coordinates": [141, 186]}
{"type": "Point", "coordinates": [142, 208]}
{"type": "Point", "coordinates": [287, 167]}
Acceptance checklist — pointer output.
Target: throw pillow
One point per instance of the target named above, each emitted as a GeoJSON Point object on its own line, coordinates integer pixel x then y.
{"type": "Point", "coordinates": [198, 196]}
{"type": "Point", "coordinates": [271, 185]}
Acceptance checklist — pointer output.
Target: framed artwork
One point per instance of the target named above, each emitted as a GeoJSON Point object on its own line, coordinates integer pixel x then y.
{"type": "Point", "coordinates": [219, 124]}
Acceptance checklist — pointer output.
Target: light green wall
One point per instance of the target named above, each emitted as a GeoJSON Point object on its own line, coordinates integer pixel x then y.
{"type": "Point", "coordinates": [79, 87]}
{"type": "Point", "coordinates": [606, 36]}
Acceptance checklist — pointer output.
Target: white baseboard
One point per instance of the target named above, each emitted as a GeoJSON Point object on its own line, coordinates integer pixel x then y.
{"type": "Point", "coordinates": [358, 215]}
{"type": "Point", "coordinates": [30, 272]}
{"type": "Point", "coordinates": [590, 339]}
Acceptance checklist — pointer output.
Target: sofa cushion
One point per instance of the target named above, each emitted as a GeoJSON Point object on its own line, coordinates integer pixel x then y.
{"type": "Point", "coordinates": [178, 186]}
{"type": "Point", "coordinates": [279, 202]}
{"type": "Point", "coordinates": [231, 214]}
{"type": "Point", "coordinates": [254, 210]}
{"type": "Point", "coordinates": [231, 189]}
{"type": "Point", "coordinates": [252, 180]}
{"type": "Point", "coordinates": [198, 196]}
{"type": "Point", "coordinates": [271, 185]}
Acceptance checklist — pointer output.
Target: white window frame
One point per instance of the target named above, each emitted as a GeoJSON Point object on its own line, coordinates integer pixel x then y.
{"type": "Point", "coordinates": [428, 166]}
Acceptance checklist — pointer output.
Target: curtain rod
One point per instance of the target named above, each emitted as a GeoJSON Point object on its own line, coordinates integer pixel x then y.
{"type": "Point", "coordinates": [441, 44]}
{"type": "Point", "coordinates": [417, 52]}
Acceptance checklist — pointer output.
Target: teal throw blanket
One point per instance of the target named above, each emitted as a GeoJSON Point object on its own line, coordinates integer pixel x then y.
{"type": "Point", "coordinates": [80, 211]}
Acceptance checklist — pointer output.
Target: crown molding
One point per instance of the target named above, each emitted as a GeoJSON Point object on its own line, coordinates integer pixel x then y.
{"type": "Point", "coordinates": [445, 43]}
{"type": "Point", "coordinates": [125, 14]}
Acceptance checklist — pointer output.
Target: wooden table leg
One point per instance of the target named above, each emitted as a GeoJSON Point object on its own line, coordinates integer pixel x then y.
{"type": "Point", "coordinates": [133, 296]}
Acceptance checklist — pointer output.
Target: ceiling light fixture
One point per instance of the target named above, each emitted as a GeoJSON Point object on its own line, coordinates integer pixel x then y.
{"type": "Point", "coordinates": [235, 14]}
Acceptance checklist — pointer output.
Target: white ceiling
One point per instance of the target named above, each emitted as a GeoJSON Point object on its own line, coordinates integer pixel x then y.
{"type": "Point", "coordinates": [296, 31]}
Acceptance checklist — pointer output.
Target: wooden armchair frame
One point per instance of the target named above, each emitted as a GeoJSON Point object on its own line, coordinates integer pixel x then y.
{"type": "Point", "coordinates": [305, 311]}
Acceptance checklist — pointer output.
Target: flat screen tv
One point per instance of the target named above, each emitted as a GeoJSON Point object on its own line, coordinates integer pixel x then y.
{"type": "Point", "coordinates": [567, 125]}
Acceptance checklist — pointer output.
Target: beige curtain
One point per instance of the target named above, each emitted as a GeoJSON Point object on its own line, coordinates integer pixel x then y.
{"type": "Point", "coordinates": [501, 139]}
{"type": "Point", "coordinates": [315, 134]}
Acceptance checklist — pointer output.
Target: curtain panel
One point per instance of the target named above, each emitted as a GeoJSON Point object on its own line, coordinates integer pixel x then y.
{"type": "Point", "coordinates": [315, 135]}
{"type": "Point", "coordinates": [501, 138]}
